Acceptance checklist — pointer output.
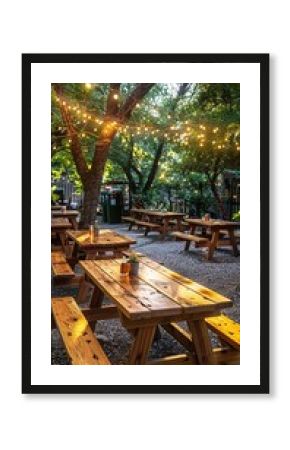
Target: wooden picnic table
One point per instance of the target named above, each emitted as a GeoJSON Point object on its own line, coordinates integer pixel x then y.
{"type": "Point", "coordinates": [162, 217]}
{"type": "Point", "coordinates": [215, 227]}
{"type": "Point", "coordinates": [59, 225]}
{"type": "Point", "coordinates": [157, 296]}
{"type": "Point", "coordinates": [71, 215]}
{"type": "Point", "coordinates": [98, 246]}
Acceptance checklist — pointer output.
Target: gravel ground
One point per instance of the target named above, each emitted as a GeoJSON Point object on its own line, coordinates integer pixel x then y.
{"type": "Point", "coordinates": [221, 274]}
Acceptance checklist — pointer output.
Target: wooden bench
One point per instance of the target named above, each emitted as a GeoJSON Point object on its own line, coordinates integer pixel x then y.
{"type": "Point", "coordinates": [198, 240]}
{"type": "Point", "coordinates": [81, 344]}
{"type": "Point", "coordinates": [130, 220]}
{"type": "Point", "coordinates": [184, 225]}
{"type": "Point", "coordinates": [62, 273]}
{"type": "Point", "coordinates": [59, 265]}
{"type": "Point", "coordinates": [148, 226]}
{"type": "Point", "coordinates": [227, 330]}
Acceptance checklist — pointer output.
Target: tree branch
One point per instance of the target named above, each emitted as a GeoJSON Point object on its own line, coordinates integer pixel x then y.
{"type": "Point", "coordinates": [76, 149]}
{"type": "Point", "coordinates": [139, 92]}
{"type": "Point", "coordinates": [154, 167]}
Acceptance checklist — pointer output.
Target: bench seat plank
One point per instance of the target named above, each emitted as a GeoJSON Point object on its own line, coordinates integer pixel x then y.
{"type": "Point", "coordinates": [147, 224]}
{"type": "Point", "coordinates": [81, 344]}
{"type": "Point", "coordinates": [227, 329]}
{"type": "Point", "coordinates": [189, 237]}
{"type": "Point", "coordinates": [128, 219]}
{"type": "Point", "coordinates": [60, 267]}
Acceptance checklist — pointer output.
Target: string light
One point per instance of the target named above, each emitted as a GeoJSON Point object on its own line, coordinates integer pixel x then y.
{"type": "Point", "coordinates": [180, 130]}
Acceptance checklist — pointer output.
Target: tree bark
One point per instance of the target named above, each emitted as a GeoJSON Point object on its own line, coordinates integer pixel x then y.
{"type": "Point", "coordinates": [154, 168]}
{"type": "Point", "coordinates": [214, 190]}
{"type": "Point", "coordinates": [90, 204]}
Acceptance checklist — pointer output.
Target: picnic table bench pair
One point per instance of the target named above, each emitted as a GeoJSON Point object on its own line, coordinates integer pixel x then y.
{"type": "Point", "coordinates": [107, 244]}
{"type": "Point", "coordinates": [215, 230]}
{"type": "Point", "coordinates": [71, 215]}
{"type": "Point", "coordinates": [156, 297]}
{"type": "Point", "coordinates": [153, 220]}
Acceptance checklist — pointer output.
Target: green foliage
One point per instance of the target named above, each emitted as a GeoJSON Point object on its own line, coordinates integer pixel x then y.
{"type": "Point", "coordinates": [133, 258]}
{"type": "Point", "coordinates": [236, 216]}
{"type": "Point", "coordinates": [54, 196]}
{"type": "Point", "coordinates": [186, 163]}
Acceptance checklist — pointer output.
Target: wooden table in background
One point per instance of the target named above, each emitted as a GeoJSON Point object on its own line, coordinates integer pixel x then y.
{"type": "Point", "coordinates": [59, 226]}
{"type": "Point", "coordinates": [157, 296]}
{"type": "Point", "coordinates": [215, 226]}
{"type": "Point", "coordinates": [99, 246]}
{"type": "Point", "coordinates": [159, 217]}
{"type": "Point", "coordinates": [71, 215]}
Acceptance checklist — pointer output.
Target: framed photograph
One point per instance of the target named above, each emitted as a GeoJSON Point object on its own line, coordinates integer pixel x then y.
{"type": "Point", "coordinates": [139, 276]}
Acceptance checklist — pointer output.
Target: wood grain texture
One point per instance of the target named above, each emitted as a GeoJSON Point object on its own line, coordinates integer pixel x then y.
{"type": "Point", "coordinates": [81, 344]}
{"type": "Point", "coordinates": [105, 239]}
{"type": "Point", "coordinates": [155, 292]}
{"type": "Point", "coordinates": [59, 266]}
{"type": "Point", "coordinates": [188, 283]}
{"type": "Point", "coordinates": [189, 237]}
{"type": "Point", "coordinates": [60, 223]}
{"type": "Point", "coordinates": [227, 329]}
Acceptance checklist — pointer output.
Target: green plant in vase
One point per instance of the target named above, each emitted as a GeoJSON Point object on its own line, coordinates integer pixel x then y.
{"type": "Point", "coordinates": [134, 262]}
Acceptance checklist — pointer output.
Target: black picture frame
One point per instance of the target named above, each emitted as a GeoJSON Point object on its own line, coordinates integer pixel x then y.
{"type": "Point", "coordinates": [263, 61]}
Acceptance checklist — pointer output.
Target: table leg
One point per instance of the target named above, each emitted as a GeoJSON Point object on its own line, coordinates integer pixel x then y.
{"type": "Point", "coordinates": [141, 345]}
{"type": "Point", "coordinates": [178, 223]}
{"type": "Point", "coordinates": [74, 223]}
{"type": "Point", "coordinates": [96, 302]}
{"type": "Point", "coordinates": [74, 256]}
{"type": "Point", "coordinates": [187, 243]}
{"type": "Point", "coordinates": [213, 244]}
{"type": "Point", "coordinates": [201, 341]}
{"type": "Point", "coordinates": [233, 241]}
{"type": "Point", "coordinates": [165, 227]}
{"type": "Point", "coordinates": [62, 237]}
{"type": "Point", "coordinates": [192, 229]}
{"type": "Point", "coordinates": [85, 289]}
{"type": "Point", "coordinates": [97, 298]}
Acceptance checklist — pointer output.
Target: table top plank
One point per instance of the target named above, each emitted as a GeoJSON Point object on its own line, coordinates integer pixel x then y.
{"type": "Point", "coordinates": [155, 292]}
{"type": "Point", "coordinates": [155, 301]}
{"type": "Point", "coordinates": [60, 222]}
{"type": "Point", "coordinates": [67, 213]}
{"type": "Point", "coordinates": [106, 238]}
{"type": "Point", "coordinates": [125, 300]}
{"type": "Point", "coordinates": [162, 214]}
{"type": "Point", "coordinates": [187, 282]}
{"type": "Point", "coordinates": [189, 299]}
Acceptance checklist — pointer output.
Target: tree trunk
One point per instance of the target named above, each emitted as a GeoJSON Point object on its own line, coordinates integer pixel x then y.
{"type": "Point", "coordinates": [217, 197]}
{"type": "Point", "coordinates": [91, 199]}
{"type": "Point", "coordinates": [154, 168]}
